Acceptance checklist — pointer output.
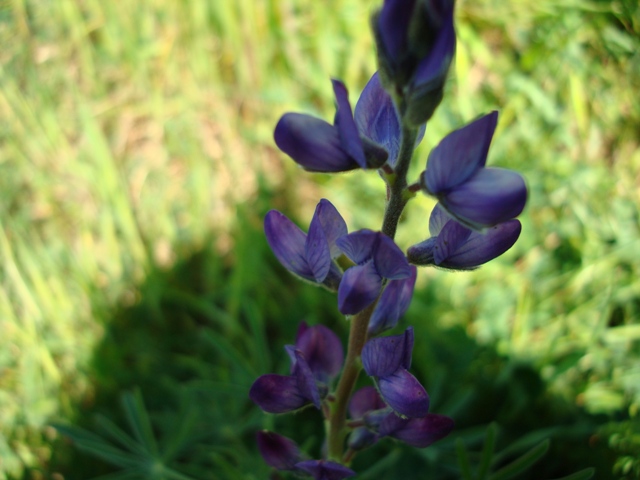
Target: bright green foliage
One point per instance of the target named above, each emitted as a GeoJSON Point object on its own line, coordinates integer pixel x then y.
{"type": "Point", "coordinates": [132, 131]}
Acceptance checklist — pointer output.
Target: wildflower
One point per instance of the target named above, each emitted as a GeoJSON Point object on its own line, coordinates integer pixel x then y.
{"type": "Point", "coordinates": [393, 303]}
{"type": "Point", "coordinates": [321, 147]}
{"type": "Point", "coordinates": [383, 422]}
{"type": "Point", "coordinates": [477, 196]}
{"type": "Point", "coordinates": [416, 42]}
{"type": "Point", "coordinates": [362, 402]}
{"type": "Point", "coordinates": [456, 247]}
{"type": "Point", "coordinates": [278, 451]}
{"type": "Point", "coordinates": [378, 120]}
{"type": "Point", "coordinates": [325, 470]}
{"type": "Point", "coordinates": [316, 358]}
{"type": "Point", "coordinates": [309, 256]}
{"type": "Point", "coordinates": [417, 432]}
{"type": "Point", "coordinates": [377, 258]}
{"type": "Point", "coordinates": [387, 360]}
{"type": "Point", "coordinates": [283, 454]}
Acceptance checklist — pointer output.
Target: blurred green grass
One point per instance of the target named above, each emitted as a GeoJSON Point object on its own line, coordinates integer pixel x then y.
{"type": "Point", "coordinates": [132, 132]}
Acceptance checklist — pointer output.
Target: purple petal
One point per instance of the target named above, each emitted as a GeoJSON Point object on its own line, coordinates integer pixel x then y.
{"type": "Point", "coordinates": [389, 259]}
{"type": "Point", "coordinates": [393, 25]}
{"type": "Point", "coordinates": [359, 288]}
{"type": "Point", "coordinates": [346, 126]}
{"type": "Point", "coordinates": [316, 250]}
{"type": "Point", "coordinates": [332, 223]}
{"type": "Point", "coordinates": [422, 253]}
{"type": "Point", "coordinates": [449, 240]}
{"type": "Point", "coordinates": [277, 394]}
{"type": "Point", "coordinates": [377, 118]}
{"type": "Point", "coordinates": [393, 303]}
{"type": "Point", "coordinates": [438, 219]}
{"type": "Point", "coordinates": [420, 432]}
{"type": "Point", "coordinates": [484, 246]}
{"type": "Point", "coordinates": [361, 438]}
{"type": "Point", "coordinates": [288, 243]}
{"type": "Point", "coordinates": [363, 401]}
{"type": "Point", "coordinates": [432, 70]}
{"type": "Point", "coordinates": [404, 394]}
{"type": "Point", "coordinates": [323, 351]}
{"type": "Point", "coordinates": [490, 197]}
{"type": "Point", "coordinates": [313, 143]}
{"type": "Point", "coordinates": [359, 245]}
{"type": "Point", "coordinates": [459, 155]}
{"type": "Point", "coordinates": [278, 451]}
{"type": "Point", "coordinates": [325, 470]}
{"type": "Point", "coordinates": [305, 379]}
{"type": "Point", "coordinates": [384, 355]}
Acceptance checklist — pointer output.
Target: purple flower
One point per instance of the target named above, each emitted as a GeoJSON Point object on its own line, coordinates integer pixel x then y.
{"type": "Point", "coordinates": [475, 195]}
{"type": "Point", "coordinates": [316, 359]}
{"type": "Point", "coordinates": [325, 470]}
{"type": "Point", "coordinates": [309, 256]}
{"type": "Point", "coordinates": [282, 453]}
{"type": "Point", "coordinates": [362, 402]}
{"type": "Point", "coordinates": [382, 422]}
{"type": "Point", "coordinates": [278, 451]}
{"type": "Point", "coordinates": [387, 360]}
{"type": "Point", "coordinates": [393, 303]}
{"type": "Point", "coordinates": [378, 120]}
{"type": "Point", "coordinates": [416, 43]}
{"type": "Point", "coordinates": [377, 257]}
{"type": "Point", "coordinates": [321, 349]}
{"type": "Point", "coordinates": [321, 147]}
{"type": "Point", "coordinates": [417, 432]}
{"type": "Point", "coordinates": [459, 248]}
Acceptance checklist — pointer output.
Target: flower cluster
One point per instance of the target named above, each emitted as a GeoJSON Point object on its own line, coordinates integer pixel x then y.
{"type": "Point", "coordinates": [473, 222]}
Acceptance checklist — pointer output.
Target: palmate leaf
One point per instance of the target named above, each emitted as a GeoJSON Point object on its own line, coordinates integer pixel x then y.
{"type": "Point", "coordinates": [137, 455]}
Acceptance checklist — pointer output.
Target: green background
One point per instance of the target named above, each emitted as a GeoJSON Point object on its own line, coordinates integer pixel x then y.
{"type": "Point", "coordinates": [137, 163]}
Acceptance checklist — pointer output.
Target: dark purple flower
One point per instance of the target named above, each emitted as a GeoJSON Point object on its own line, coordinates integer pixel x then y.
{"type": "Point", "coordinates": [321, 147]}
{"type": "Point", "coordinates": [377, 257]}
{"type": "Point", "coordinates": [387, 360]}
{"type": "Point", "coordinates": [278, 451]}
{"type": "Point", "coordinates": [275, 393]}
{"type": "Point", "coordinates": [417, 432]}
{"type": "Point", "coordinates": [416, 43]}
{"type": "Point", "coordinates": [378, 120]}
{"type": "Point", "coordinates": [393, 303]}
{"type": "Point", "coordinates": [325, 470]}
{"type": "Point", "coordinates": [309, 256]}
{"type": "Point", "coordinates": [459, 248]}
{"type": "Point", "coordinates": [321, 349]}
{"type": "Point", "coordinates": [475, 195]}
{"type": "Point", "coordinates": [363, 401]}
{"type": "Point", "coordinates": [316, 359]}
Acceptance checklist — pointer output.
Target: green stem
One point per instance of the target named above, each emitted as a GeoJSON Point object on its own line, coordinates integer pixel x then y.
{"type": "Point", "coordinates": [397, 198]}
{"type": "Point", "coordinates": [396, 202]}
{"type": "Point", "coordinates": [352, 367]}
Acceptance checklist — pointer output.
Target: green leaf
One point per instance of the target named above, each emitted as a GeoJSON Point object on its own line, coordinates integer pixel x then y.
{"type": "Point", "coordinates": [463, 459]}
{"type": "Point", "coordinates": [522, 463]}
{"type": "Point", "coordinates": [139, 422]}
{"type": "Point", "coordinates": [487, 452]}
{"type": "Point", "coordinates": [585, 474]}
